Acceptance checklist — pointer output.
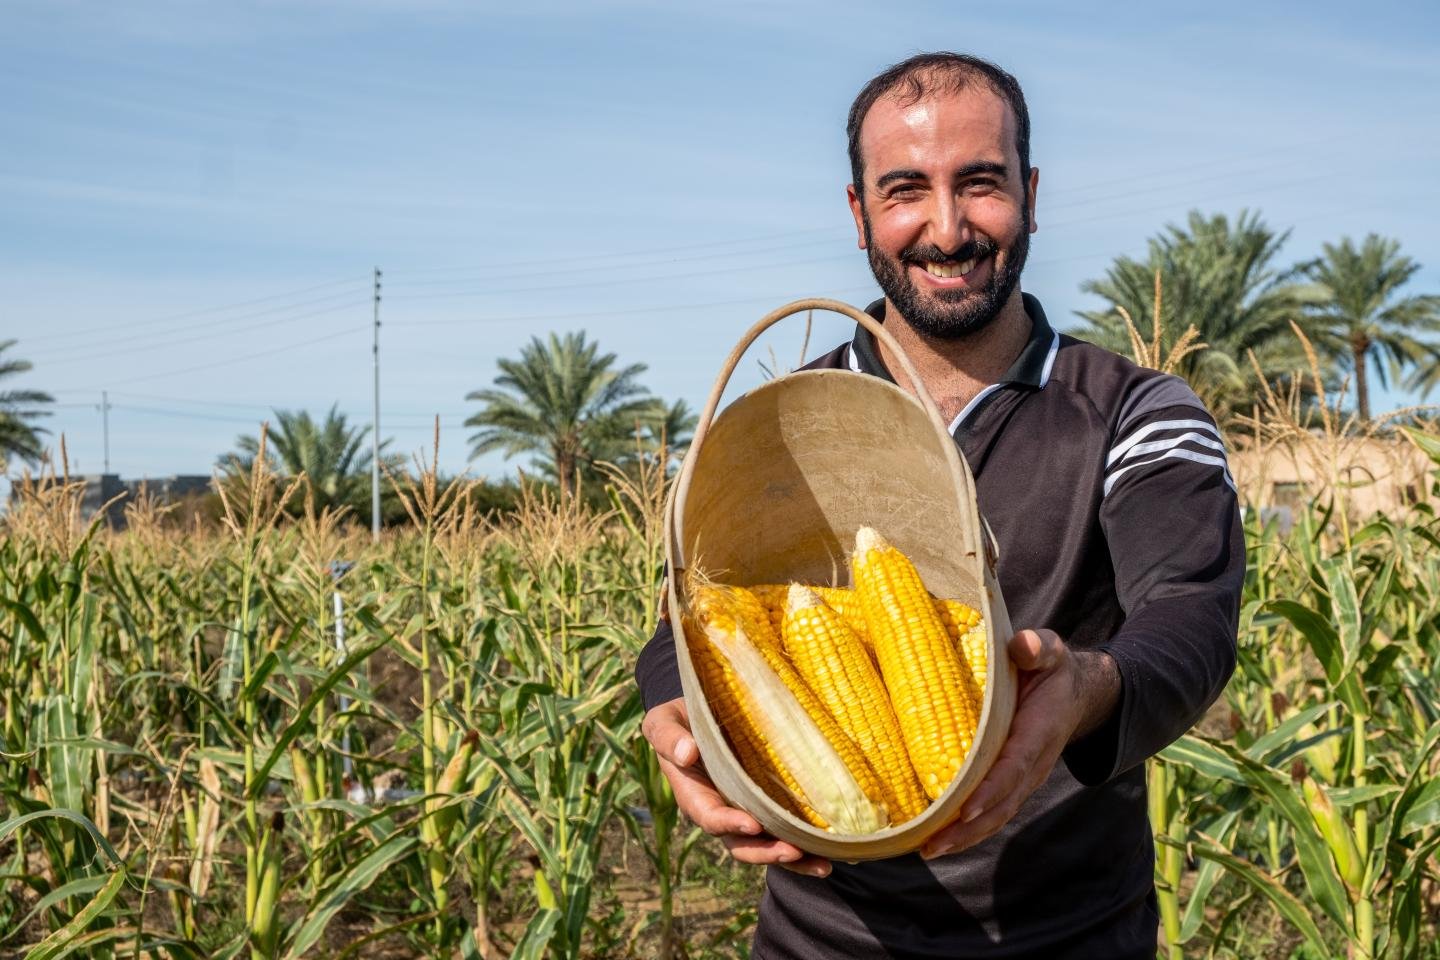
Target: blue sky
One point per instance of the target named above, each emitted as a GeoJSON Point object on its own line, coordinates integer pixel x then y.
{"type": "Point", "coordinates": [192, 196]}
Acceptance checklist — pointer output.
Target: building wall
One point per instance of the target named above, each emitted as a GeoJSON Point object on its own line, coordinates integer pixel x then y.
{"type": "Point", "coordinates": [1369, 475]}
{"type": "Point", "coordinates": [108, 488]}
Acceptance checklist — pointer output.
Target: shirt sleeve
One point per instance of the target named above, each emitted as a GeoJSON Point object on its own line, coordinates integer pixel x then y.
{"type": "Point", "coordinates": [1170, 516]}
{"type": "Point", "coordinates": [657, 670]}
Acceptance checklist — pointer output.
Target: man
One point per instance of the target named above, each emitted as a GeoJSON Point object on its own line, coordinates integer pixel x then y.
{"type": "Point", "coordinates": [1120, 553]}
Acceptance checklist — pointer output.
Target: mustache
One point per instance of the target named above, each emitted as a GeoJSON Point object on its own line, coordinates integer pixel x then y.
{"type": "Point", "coordinates": [970, 250]}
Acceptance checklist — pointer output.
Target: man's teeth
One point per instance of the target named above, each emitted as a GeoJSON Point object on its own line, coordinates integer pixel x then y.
{"type": "Point", "coordinates": [949, 270]}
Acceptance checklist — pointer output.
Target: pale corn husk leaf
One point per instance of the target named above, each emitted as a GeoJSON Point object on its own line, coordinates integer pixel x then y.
{"type": "Point", "coordinates": [829, 788]}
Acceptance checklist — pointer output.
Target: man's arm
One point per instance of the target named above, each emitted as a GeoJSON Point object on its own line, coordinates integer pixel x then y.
{"type": "Point", "coordinates": [1172, 522]}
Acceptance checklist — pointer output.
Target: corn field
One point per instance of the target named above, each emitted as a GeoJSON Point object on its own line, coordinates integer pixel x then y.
{"type": "Point", "coordinates": [279, 740]}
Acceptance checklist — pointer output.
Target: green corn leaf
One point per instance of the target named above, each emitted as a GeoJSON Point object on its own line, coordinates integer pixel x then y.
{"type": "Point", "coordinates": [535, 942]}
{"type": "Point", "coordinates": [1353, 796]}
{"type": "Point", "coordinates": [353, 880]}
{"type": "Point", "coordinates": [1325, 643]}
{"type": "Point", "coordinates": [258, 675]}
{"type": "Point", "coordinates": [58, 944]}
{"type": "Point", "coordinates": [1202, 756]}
{"type": "Point", "coordinates": [301, 719]}
{"type": "Point", "coordinates": [66, 762]}
{"type": "Point", "coordinates": [1423, 810]}
{"type": "Point", "coordinates": [1289, 905]}
{"type": "Point", "coordinates": [1316, 862]}
{"type": "Point", "coordinates": [1339, 577]}
{"type": "Point", "coordinates": [74, 888]}
{"type": "Point", "coordinates": [15, 823]}
{"type": "Point", "coordinates": [1284, 734]}
{"type": "Point", "coordinates": [1427, 444]}
{"type": "Point", "coordinates": [28, 620]}
{"type": "Point", "coordinates": [1205, 879]}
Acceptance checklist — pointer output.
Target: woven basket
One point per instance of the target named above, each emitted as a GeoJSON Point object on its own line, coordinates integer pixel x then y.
{"type": "Point", "coordinates": [773, 490]}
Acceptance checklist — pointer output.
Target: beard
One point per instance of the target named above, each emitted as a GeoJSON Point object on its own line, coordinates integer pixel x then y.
{"type": "Point", "coordinates": [950, 314]}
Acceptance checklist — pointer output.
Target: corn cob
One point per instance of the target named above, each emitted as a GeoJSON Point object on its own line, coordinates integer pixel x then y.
{"type": "Point", "coordinates": [831, 659]}
{"type": "Point", "coordinates": [921, 667]}
{"type": "Point", "coordinates": [1336, 833]}
{"type": "Point", "coordinates": [723, 693]}
{"type": "Point", "coordinates": [959, 618]}
{"type": "Point", "coordinates": [831, 774]}
{"type": "Point", "coordinates": [730, 611]}
{"type": "Point", "coordinates": [966, 632]}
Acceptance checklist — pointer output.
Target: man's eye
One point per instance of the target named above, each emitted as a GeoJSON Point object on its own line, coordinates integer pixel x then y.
{"type": "Point", "coordinates": [905, 190]}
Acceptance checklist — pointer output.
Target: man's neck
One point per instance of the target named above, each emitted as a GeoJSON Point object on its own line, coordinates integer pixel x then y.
{"type": "Point", "coordinates": [954, 371]}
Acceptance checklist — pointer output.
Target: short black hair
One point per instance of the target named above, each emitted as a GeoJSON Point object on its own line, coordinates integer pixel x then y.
{"type": "Point", "coordinates": [925, 74]}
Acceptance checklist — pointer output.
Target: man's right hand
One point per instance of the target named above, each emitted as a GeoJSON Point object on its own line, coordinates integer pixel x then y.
{"type": "Point", "coordinates": [667, 727]}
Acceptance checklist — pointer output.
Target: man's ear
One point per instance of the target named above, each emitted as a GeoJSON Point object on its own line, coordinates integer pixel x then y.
{"type": "Point", "coordinates": [857, 210]}
{"type": "Point", "coordinates": [1031, 193]}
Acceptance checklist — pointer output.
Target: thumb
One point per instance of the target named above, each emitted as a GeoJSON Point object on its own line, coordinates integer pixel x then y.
{"type": "Point", "coordinates": [1036, 649]}
{"type": "Point", "coordinates": [668, 730]}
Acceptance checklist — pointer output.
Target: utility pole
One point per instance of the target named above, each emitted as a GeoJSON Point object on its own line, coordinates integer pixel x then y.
{"type": "Point", "coordinates": [105, 424]}
{"type": "Point", "coordinates": [375, 427]}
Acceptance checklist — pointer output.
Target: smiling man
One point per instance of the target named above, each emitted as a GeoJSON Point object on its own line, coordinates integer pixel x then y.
{"type": "Point", "coordinates": [1120, 554]}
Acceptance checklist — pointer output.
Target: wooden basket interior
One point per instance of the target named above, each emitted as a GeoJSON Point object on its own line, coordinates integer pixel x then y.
{"type": "Point", "coordinates": [785, 476]}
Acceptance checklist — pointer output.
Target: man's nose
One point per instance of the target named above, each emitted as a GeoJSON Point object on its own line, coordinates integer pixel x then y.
{"type": "Point", "coordinates": [949, 229]}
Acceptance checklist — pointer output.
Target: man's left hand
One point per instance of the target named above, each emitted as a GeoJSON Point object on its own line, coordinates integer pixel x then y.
{"type": "Point", "coordinates": [1063, 695]}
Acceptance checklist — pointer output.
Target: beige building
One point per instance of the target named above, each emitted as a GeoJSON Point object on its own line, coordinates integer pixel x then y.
{"type": "Point", "coordinates": [1369, 474]}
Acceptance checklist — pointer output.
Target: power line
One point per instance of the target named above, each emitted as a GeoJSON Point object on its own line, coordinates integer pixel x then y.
{"type": "Point", "coordinates": [192, 313]}
{"type": "Point", "coordinates": [596, 314]}
{"type": "Point", "coordinates": [425, 415]}
{"type": "Point", "coordinates": [474, 278]}
{"type": "Point", "coordinates": [582, 258]}
{"type": "Point", "coordinates": [146, 343]}
{"type": "Point", "coordinates": [611, 283]}
{"type": "Point", "coordinates": [232, 360]}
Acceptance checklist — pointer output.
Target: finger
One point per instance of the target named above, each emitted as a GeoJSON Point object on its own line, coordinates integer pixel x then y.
{"type": "Point", "coordinates": [1036, 649]}
{"type": "Point", "coordinates": [698, 799]}
{"type": "Point", "coordinates": [667, 727]}
{"type": "Point", "coordinates": [1029, 753]}
{"type": "Point", "coordinates": [961, 835]}
{"type": "Point", "coordinates": [982, 816]}
{"type": "Point", "coordinates": [768, 850]}
{"type": "Point", "coordinates": [1004, 778]}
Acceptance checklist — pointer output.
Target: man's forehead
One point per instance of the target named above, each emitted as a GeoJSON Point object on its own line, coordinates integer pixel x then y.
{"type": "Point", "coordinates": [974, 117]}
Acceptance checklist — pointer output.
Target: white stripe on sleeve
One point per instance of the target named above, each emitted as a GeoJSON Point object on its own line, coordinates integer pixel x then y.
{"type": "Point", "coordinates": [1141, 449]}
{"type": "Point", "coordinates": [1119, 450]}
{"type": "Point", "coordinates": [1178, 454]}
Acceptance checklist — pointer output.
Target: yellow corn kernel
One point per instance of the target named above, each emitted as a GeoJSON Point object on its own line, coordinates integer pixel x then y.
{"type": "Point", "coordinates": [772, 598]}
{"type": "Point", "coordinates": [831, 659]}
{"type": "Point", "coordinates": [975, 648]}
{"type": "Point", "coordinates": [922, 669]}
{"type": "Point", "coordinates": [962, 623]}
{"type": "Point", "coordinates": [736, 610]}
{"type": "Point", "coordinates": [727, 703]}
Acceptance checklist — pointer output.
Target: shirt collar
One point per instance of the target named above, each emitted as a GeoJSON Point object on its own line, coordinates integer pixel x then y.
{"type": "Point", "coordinates": [1031, 368]}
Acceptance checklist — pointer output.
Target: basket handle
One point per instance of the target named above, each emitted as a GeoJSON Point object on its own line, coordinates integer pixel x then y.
{"type": "Point", "coordinates": [707, 415]}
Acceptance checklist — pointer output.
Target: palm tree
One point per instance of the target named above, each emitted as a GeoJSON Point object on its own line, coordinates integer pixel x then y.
{"type": "Point", "coordinates": [1359, 322]}
{"type": "Point", "coordinates": [1221, 278]}
{"type": "Point", "coordinates": [18, 438]}
{"type": "Point", "coordinates": [334, 456]}
{"type": "Point", "coordinates": [563, 400]}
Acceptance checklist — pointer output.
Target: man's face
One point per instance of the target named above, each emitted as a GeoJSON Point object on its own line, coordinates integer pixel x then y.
{"type": "Point", "coordinates": [943, 212]}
